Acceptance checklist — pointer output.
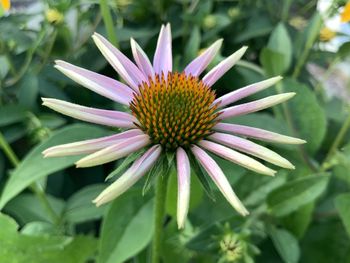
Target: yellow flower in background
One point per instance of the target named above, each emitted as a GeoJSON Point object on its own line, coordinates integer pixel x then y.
{"type": "Point", "coordinates": [327, 34]}
{"type": "Point", "coordinates": [5, 4]}
{"type": "Point", "coordinates": [345, 15]}
{"type": "Point", "coordinates": [54, 16]}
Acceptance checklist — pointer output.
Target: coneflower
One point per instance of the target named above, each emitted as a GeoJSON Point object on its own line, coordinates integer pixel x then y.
{"type": "Point", "coordinates": [174, 112]}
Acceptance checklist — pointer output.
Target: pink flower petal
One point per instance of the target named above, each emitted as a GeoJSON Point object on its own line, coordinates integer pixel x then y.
{"type": "Point", "coordinates": [254, 106]}
{"type": "Point", "coordinates": [98, 116]}
{"type": "Point", "coordinates": [184, 180]}
{"type": "Point", "coordinates": [218, 71]}
{"type": "Point", "coordinates": [251, 148]}
{"type": "Point", "coordinates": [236, 157]}
{"type": "Point", "coordinates": [246, 91]}
{"type": "Point", "coordinates": [89, 146]}
{"type": "Point", "coordinates": [100, 84]}
{"type": "Point", "coordinates": [126, 69]}
{"type": "Point", "coordinates": [163, 60]}
{"type": "Point", "coordinates": [219, 179]}
{"type": "Point", "coordinates": [141, 59]}
{"type": "Point", "coordinates": [130, 177]}
{"type": "Point", "coordinates": [257, 133]}
{"type": "Point", "coordinates": [199, 64]}
{"type": "Point", "coordinates": [119, 150]}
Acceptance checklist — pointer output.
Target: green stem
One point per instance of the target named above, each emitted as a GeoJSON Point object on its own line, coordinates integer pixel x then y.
{"type": "Point", "coordinates": [159, 215]}
{"type": "Point", "coordinates": [107, 19]}
{"type": "Point", "coordinates": [35, 187]}
{"type": "Point", "coordinates": [338, 140]}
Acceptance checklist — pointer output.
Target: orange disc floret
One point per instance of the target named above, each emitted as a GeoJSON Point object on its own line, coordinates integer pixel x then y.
{"type": "Point", "coordinates": [175, 111]}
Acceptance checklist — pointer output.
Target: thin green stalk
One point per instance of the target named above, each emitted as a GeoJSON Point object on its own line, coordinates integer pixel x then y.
{"type": "Point", "coordinates": [338, 140]}
{"type": "Point", "coordinates": [107, 19]}
{"type": "Point", "coordinates": [159, 215]}
{"type": "Point", "coordinates": [35, 187]}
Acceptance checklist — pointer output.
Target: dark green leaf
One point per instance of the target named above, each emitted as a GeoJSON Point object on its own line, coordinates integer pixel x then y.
{"type": "Point", "coordinates": [127, 228]}
{"type": "Point", "coordinates": [79, 206]}
{"type": "Point", "coordinates": [34, 166]}
{"type": "Point", "coordinates": [292, 195]}
{"type": "Point", "coordinates": [10, 114]}
{"type": "Point", "coordinates": [285, 243]}
{"type": "Point", "coordinates": [342, 203]}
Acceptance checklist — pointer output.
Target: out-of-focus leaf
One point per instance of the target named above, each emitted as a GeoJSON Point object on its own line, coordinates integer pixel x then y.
{"type": "Point", "coordinates": [344, 50]}
{"type": "Point", "coordinates": [342, 160]}
{"type": "Point", "coordinates": [280, 43]}
{"type": "Point", "coordinates": [308, 115]}
{"type": "Point", "coordinates": [292, 195]}
{"type": "Point", "coordinates": [272, 61]}
{"type": "Point", "coordinates": [326, 242]}
{"type": "Point", "coordinates": [258, 25]}
{"type": "Point", "coordinates": [10, 114]}
{"type": "Point", "coordinates": [28, 90]}
{"type": "Point", "coordinates": [192, 46]}
{"type": "Point", "coordinates": [298, 221]}
{"type": "Point", "coordinates": [4, 68]}
{"type": "Point", "coordinates": [285, 243]}
{"type": "Point", "coordinates": [16, 247]}
{"type": "Point", "coordinates": [79, 206]}
{"type": "Point", "coordinates": [34, 166]}
{"type": "Point", "coordinates": [342, 203]}
{"type": "Point", "coordinates": [27, 208]}
{"type": "Point", "coordinates": [259, 194]}
{"type": "Point", "coordinates": [127, 228]}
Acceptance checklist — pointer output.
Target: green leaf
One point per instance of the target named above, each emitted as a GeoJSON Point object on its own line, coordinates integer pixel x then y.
{"type": "Point", "coordinates": [342, 203]}
{"type": "Point", "coordinates": [16, 247]}
{"type": "Point", "coordinates": [193, 44]}
{"type": "Point", "coordinates": [127, 228]}
{"type": "Point", "coordinates": [259, 194]}
{"type": "Point", "coordinates": [27, 208]}
{"type": "Point", "coordinates": [280, 42]}
{"type": "Point", "coordinates": [298, 221]}
{"type": "Point", "coordinates": [292, 195]}
{"type": "Point", "coordinates": [10, 114]}
{"type": "Point", "coordinates": [344, 50]}
{"type": "Point", "coordinates": [28, 90]}
{"type": "Point", "coordinates": [285, 243]}
{"type": "Point", "coordinates": [125, 164]}
{"type": "Point", "coordinates": [272, 61]}
{"type": "Point", "coordinates": [79, 206]}
{"type": "Point", "coordinates": [34, 167]}
{"type": "Point", "coordinates": [308, 115]}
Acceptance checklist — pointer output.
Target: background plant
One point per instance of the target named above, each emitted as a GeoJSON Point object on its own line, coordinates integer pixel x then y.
{"type": "Point", "coordinates": [298, 216]}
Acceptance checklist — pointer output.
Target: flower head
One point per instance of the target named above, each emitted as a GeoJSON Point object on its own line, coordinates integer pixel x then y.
{"type": "Point", "coordinates": [345, 15]}
{"type": "Point", "coordinates": [170, 111]}
{"type": "Point", "coordinates": [5, 4]}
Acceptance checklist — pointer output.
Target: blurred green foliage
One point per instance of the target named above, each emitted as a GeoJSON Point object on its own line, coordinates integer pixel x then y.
{"type": "Point", "coordinates": [298, 216]}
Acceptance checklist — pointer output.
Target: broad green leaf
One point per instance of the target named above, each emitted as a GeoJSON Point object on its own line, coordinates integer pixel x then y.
{"type": "Point", "coordinates": [28, 90]}
{"type": "Point", "coordinates": [342, 203]}
{"type": "Point", "coordinates": [127, 228]}
{"type": "Point", "coordinates": [193, 44]}
{"type": "Point", "coordinates": [326, 242]}
{"type": "Point", "coordinates": [272, 61]}
{"type": "Point", "coordinates": [258, 25]}
{"type": "Point", "coordinates": [10, 114]}
{"type": "Point", "coordinates": [298, 221]}
{"type": "Point", "coordinates": [342, 161]}
{"type": "Point", "coordinates": [259, 194]}
{"type": "Point", "coordinates": [344, 50]}
{"type": "Point", "coordinates": [79, 206]}
{"type": "Point", "coordinates": [285, 243]}
{"type": "Point", "coordinates": [16, 247]}
{"type": "Point", "coordinates": [280, 42]}
{"type": "Point", "coordinates": [34, 167]}
{"type": "Point", "coordinates": [308, 115]}
{"type": "Point", "coordinates": [27, 207]}
{"type": "Point", "coordinates": [294, 194]}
